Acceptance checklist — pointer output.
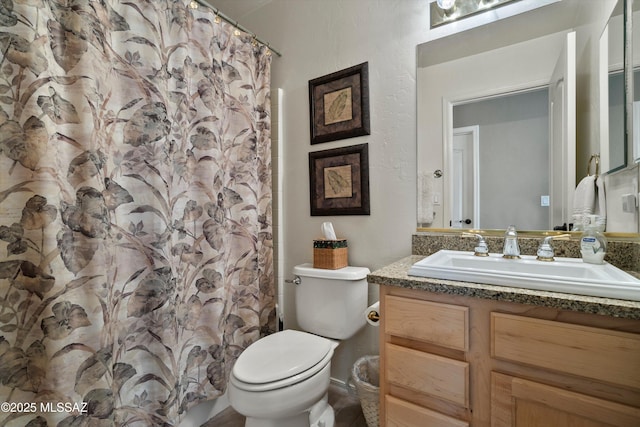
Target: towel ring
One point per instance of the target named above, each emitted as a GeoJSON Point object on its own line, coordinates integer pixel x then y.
{"type": "Point", "coordinates": [595, 157]}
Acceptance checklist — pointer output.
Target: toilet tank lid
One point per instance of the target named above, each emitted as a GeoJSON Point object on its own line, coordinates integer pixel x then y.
{"type": "Point", "coordinates": [346, 273]}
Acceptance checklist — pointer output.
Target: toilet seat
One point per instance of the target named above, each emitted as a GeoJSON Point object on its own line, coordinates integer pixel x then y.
{"type": "Point", "coordinates": [280, 360]}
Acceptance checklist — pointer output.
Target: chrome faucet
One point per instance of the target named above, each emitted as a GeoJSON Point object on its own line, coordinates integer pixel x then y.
{"type": "Point", "coordinates": [511, 250]}
{"type": "Point", "coordinates": [481, 248]}
{"type": "Point", "coordinates": [545, 250]}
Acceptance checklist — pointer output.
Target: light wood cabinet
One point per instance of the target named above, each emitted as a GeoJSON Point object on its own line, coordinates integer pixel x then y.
{"type": "Point", "coordinates": [455, 361]}
{"type": "Point", "coordinates": [401, 413]}
{"type": "Point", "coordinates": [520, 402]}
{"type": "Point", "coordinates": [596, 353]}
{"type": "Point", "coordinates": [448, 325]}
{"type": "Point", "coordinates": [433, 375]}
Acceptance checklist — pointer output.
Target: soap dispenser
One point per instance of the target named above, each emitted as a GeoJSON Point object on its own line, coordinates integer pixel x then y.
{"type": "Point", "coordinates": [593, 244]}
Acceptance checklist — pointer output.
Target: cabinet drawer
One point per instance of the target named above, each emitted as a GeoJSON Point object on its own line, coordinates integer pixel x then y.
{"type": "Point", "coordinates": [441, 324]}
{"type": "Point", "coordinates": [589, 352]}
{"type": "Point", "coordinates": [401, 413]}
{"type": "Point", "coordinates": [426, 373]}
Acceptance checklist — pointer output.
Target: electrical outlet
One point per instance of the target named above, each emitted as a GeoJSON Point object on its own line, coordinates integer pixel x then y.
{"type": "Point", "coordinates": [544, 200]}
{"type": "Point", "coordinates": [628, 203]}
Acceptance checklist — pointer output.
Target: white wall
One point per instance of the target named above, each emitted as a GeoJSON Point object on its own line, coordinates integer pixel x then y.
{"type": "Point", "coordinates": [317, 38]}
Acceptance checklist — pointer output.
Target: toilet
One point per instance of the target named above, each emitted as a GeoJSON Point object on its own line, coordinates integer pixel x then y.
{"type": "Point", "coordinates": [282, 380]}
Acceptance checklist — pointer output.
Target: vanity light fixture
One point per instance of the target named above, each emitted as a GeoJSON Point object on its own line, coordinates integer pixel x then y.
{"type": "Point", "coordinates": [447, 11]}
{"type": "Point", "coordinates": [445, 4]}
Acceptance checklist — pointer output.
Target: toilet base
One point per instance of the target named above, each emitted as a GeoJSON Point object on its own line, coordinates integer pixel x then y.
{"type": "Point", "coordinates": [299, 420]}
{"type": "Point", "coordinates": [326, 419]}
{"type": "Point", "coordinates": [320, 415]}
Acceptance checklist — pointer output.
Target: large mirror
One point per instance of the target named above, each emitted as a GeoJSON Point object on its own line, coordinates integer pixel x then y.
{"type": "Point", "coordinates": [613, 135]}
{"type": "Point", "coordinates": [620, 115]}
{"type": "Point", "coordinates": [498, 140]}
{"type": "Point", "coordinates": [633, 149]}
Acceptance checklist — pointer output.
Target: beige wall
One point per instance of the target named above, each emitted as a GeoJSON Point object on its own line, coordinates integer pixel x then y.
{"type": "Point", "coordinates": [318, 37]}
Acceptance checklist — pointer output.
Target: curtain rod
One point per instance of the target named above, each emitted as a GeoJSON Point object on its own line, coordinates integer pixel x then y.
{"type": "Point", "coordinates": [234, 23]}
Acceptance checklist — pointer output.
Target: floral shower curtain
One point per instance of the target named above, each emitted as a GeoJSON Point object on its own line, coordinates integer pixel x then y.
{"type": "Point", "coordinates": [135, 209]}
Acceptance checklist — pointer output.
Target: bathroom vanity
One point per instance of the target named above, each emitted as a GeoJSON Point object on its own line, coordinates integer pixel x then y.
{"type": "Point", "coordinates": [466, 354]}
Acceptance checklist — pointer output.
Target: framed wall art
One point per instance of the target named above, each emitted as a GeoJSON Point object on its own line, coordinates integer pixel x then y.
{"type": "Point", "coordinates": [339, 104]}
{"type": "Point", "coordinates": [339, 181]}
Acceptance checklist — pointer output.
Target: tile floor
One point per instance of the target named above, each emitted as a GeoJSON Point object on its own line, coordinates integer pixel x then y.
{"type": "Point", "coordinates": [346, 406]}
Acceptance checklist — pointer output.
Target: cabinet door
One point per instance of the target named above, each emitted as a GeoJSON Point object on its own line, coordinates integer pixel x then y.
{"type": "Point", "coordinates": [516, 402]}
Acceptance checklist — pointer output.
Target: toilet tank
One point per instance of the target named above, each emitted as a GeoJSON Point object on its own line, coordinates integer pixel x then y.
{"type": "Point", "coordinates": [331, 303]}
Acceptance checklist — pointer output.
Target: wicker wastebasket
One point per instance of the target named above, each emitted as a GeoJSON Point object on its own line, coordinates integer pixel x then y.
{"type": "Point", "coordinates": [365, 374]}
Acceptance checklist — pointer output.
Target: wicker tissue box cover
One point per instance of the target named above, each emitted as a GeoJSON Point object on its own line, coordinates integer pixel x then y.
{"type": "Point", "coordinates": [330, 254]}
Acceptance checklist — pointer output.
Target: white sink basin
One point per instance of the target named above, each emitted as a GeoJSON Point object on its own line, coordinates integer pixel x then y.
{"type": "Point", "coordinates": [568, 275]}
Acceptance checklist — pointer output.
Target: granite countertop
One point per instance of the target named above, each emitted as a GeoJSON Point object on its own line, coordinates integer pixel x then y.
{"type": "Point", "coordinates": [396, 275]}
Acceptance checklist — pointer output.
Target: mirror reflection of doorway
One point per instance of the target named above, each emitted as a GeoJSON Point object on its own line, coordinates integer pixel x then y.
{"type": "Point", "coordinates": [465, 206]}
{"type": "Point", "coordinates": [521, 180]}
{"type": "Point", "coordinates": [512, 162]}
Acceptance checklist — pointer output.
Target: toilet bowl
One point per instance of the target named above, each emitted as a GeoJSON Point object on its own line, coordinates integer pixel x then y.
{"type": "Point", "coordinates": [282, 380]}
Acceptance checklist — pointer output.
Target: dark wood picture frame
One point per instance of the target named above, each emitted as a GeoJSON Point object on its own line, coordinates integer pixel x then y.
{"type": "Point", "coordinates": [339, 104]}
{"type": "Point", "coordinates": [339, 181]}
